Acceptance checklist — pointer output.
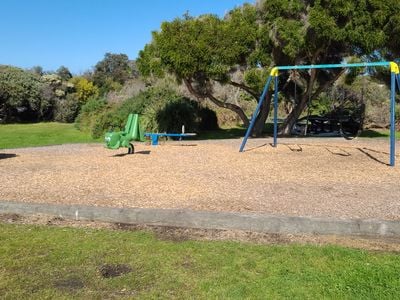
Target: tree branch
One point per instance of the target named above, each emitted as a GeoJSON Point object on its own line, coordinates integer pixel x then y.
{"type": "Point", "coordinates": [218, 102]}
{"type": "Point", "coordinates": [245, 88]}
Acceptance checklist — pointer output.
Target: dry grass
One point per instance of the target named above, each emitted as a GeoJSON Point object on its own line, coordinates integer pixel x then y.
{"type": "Point", "coordinates": [302, 177]}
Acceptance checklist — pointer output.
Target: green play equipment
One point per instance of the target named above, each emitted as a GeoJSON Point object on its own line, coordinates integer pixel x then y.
{"type": "Point", "coordinates": [132, 132]}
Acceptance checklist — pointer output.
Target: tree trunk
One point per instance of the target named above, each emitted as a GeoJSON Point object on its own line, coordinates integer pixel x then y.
{"type": "Point", "coordinates": [291, 119]}
{"type": "Point", "coordinates": [233, 107]}
{"type": "Point", "coordinates": [262, 116]}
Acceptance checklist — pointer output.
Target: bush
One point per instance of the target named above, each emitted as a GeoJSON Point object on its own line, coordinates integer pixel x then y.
{"type": "Point", "coordinates": [89, 113]}
{"type": "Point", "coordinates": [66, 110]}
{"type": "Point", "coordinates": [175, 114]}
{"type": "Point", "coordinates": [207, 119]}
{"type": "Point", "coordinates": [161, 110]}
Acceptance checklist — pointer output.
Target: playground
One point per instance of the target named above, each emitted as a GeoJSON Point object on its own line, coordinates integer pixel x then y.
{"type": "Point", "coordinates": [316, 177]}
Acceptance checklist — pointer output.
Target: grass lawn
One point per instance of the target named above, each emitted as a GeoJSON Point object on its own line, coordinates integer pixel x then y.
{"type": "Point", "coordinates": [52, 133]}
{"type": "Point", "coordinates": [39, 262]}
{"type": "Point", "coordinates": [40, 134]}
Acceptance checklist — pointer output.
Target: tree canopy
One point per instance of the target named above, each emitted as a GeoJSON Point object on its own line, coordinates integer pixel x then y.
{"type": "Point", "coordinates": [20, 93]}
{"type": "Point", "coordinates": [252, 39]}
{"type": "Point", "coordinates": [113, 71]}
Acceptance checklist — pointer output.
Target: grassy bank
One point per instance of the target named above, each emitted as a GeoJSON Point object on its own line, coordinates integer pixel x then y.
{"type": "Point", "coordinates": [40, 134]}
{"type": "Point", "coordinates": [51, 262]}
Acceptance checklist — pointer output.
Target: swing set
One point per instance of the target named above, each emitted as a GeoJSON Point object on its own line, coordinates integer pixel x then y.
{"type": "Point", "coordinates": [274, 75]}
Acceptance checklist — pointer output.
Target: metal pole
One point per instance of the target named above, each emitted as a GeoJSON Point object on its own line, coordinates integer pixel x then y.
{"type": "Point", "coordinates": [398, 81]}
{"type": "Point", "coordinates": [276, 112]}
{"type": "Point", "coordinates": [254, 117]}
{"type": "Point", "coordinates": [392, 119]}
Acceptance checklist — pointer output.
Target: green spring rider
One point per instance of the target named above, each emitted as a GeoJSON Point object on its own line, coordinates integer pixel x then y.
{"type": "Point", "coordinates": [132, 132]}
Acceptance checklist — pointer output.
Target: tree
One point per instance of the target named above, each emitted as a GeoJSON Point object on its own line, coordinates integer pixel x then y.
{"type": "Point", "coordinates": [64, 73]}
{"type": "Point", "coordinates": [320, 32]}
{"type": "Point", "coordinates": [205, 50]}
{"type": "Point", "coordinates": [253, 39]}
{"type": "Point", "coordinates": [113, 71]}
{"type": "Point", "coordinates": [84, 89]}
{"type": "Point", "coordinates": [20, 95]}
{"type": "Point", "coordinates": [38, 70]}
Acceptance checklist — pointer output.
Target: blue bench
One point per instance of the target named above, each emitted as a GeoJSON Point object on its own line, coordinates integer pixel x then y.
{"type": "Point", "coordinates": [155, 136]}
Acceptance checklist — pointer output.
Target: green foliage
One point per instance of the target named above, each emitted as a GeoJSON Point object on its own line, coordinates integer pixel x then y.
{"type": "Point", "coordinates": [204, 47]}
{"type": "Point", "coordinates": [66, 110]}
{"type": "Point", "coordinates": [89, 114]}
{"type": "Point", "coordinates": [64, 73]}
{"type": "Point", "coordinates": [175, 114]}
{"type": "Point", "coordinates": [208, 119]}
{"type": "Point", "coordinates": [112, 72]}
{"type": "Point", "coordinates": [20, 95]}
{"type": "Point", "coordinates": [251, 39]}
{"type": "Point", "coordinates": [85, 89]}
{"type": "Point", "coordinates": [161, 109]}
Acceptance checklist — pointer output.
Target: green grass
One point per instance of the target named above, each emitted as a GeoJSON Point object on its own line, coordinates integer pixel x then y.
{"type": "Point", "coordinates": [39, 262]}
{"type": "Point", "coordinates": [378, 133]}
{"type": "Point", "coordinates": [40, 134]}
{"type": "Point", "coordinates": [44, 134]}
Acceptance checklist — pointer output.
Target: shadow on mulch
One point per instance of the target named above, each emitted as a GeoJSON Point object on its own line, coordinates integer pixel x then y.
{"type": "Point", "coordinates": [7, 155]}
{"type": "Point", "coordinates": [369, 155]}
{"type": "Point", "coordinates": [145, 152]}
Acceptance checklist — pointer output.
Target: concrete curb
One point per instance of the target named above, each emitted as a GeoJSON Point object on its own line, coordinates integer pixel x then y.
{"type": "Point", "coordinates": [210, 220]}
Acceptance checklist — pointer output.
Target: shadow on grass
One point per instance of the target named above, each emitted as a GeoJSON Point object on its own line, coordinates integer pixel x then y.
{"type": "Point", "coordinates": [7, 155]}
{"type": "Point", "coordinates": [373, 134]}
{"type": "Point", "coordinates": [220, 134]}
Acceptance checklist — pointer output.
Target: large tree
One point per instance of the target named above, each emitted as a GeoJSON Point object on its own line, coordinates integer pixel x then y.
{"type": "Point", "coordinates": [20, 95]}
{"type": "Point", "coordinates": [253, 39]}
{"type": "Point", "coordinates": [205, 50]}
{"type": "Point", "coordinates": [113, 71]}
{"type": "Point", "coordinates": [322, 32]}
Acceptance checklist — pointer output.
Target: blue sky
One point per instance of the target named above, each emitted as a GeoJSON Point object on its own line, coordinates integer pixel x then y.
{"type": "Point", "coordinates": [77, 33]}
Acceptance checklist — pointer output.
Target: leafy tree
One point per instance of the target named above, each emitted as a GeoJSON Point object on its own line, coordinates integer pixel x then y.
{"type": "Point", "coordinates": [253, 39]}
{"type": "Point", "coordinates": [38, 70]}
{"type": "Point", "coordinates": [202, 51]}
{"type": "Point", "coordinates": [84, 88]}
{"type": "Point", "coordinates": [113, 71]}
{"type": "Point", "coordinates": [64, 73]}
{"type": "Point", "coordinates": [20, 95]}
{"type": "Point", "coordinates": [320, 32]}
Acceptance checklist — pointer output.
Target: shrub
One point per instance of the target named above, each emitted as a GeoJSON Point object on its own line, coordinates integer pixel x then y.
{"type": "Point", "coordinates": [89, 113]}
{"type": "Point", "coordinates": [66, 110]}
{"type": "Point", "coordinates": [161, 108]}
{"type": "Point", "coordinates": [175, 114]}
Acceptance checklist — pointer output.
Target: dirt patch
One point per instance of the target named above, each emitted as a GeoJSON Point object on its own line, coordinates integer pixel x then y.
{"type": "Point", "coordinates": [10, 218]}
{"type": "Point", "coordinates": [114, 270]}
{"type": "Point", "coordinates": [178, 234]}
{"type": "Point", "coordinates": [71, 283]}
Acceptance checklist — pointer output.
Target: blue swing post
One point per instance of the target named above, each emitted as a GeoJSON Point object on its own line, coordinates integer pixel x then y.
{"type": "Point", "coordinates": [394, 73]}
{"type": "Point", "coordinates": [276, 110]}
{"type": "Point", "coordinates": [255, 114]}
{"type": "Point", "coordinates": [395, 77]}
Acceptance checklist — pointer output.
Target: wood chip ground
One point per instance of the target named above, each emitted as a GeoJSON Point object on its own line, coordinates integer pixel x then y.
{"type": "Point", "coordinates": [301, 177]}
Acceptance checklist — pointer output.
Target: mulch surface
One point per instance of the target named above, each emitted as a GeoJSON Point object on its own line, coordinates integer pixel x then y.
{"type": "Point", "coordinates": [301, 177]}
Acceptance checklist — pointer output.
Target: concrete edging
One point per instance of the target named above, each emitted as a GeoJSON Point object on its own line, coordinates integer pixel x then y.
{"type": "Point", "coordinates": [211, 220]}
